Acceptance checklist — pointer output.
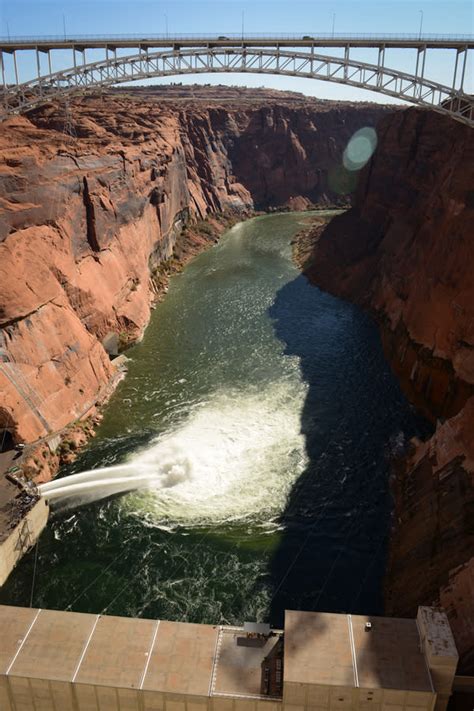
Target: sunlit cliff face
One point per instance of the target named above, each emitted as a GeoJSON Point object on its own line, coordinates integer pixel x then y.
{"type": "Point", "coordinates": [101, 194]}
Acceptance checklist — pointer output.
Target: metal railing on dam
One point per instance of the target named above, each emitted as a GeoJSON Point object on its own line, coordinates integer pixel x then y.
{"type": "Point", "coordinates": [309, 56]}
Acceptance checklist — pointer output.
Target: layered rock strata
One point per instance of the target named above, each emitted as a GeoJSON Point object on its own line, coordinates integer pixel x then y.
{"type": "Point", "coordinates": [405, 252]}
{"type": "Point", "coordinates": [93, 196]}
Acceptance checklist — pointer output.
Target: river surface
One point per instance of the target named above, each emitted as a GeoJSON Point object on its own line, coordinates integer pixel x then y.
{"type": "Point", "coordinates": [262, 414]}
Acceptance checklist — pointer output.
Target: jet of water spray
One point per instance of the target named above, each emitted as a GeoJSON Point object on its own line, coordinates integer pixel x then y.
{"type": "Point", "coordinates": [237, 454]}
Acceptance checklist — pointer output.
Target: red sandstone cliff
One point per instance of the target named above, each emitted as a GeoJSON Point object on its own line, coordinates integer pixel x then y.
{"type": "Point", "coordinates": [94, 195]}
{"type": "Point", "coordinates": [78, 227]}
{"type": "Point", "coordinates": [405, 252]}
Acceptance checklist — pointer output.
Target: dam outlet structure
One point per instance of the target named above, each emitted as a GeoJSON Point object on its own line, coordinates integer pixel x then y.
{"type": "Point", "coordinates": [79, 662]}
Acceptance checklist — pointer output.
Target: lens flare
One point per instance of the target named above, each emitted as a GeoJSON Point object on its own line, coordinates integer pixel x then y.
{"type": "Point", "coordinates": [360, 148]}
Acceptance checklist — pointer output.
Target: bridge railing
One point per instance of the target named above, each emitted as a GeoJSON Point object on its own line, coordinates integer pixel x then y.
{"type": "Point", "coordinates": [414, 37]}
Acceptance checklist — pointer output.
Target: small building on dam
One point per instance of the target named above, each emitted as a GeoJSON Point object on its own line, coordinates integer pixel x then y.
{"type": "Point", "coordinates": [69, 661]}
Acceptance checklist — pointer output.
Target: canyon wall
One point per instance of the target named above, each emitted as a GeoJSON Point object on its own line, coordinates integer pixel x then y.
{"type": "Point", "coordinates": [95, 194]}
{"type": "Point", "coordinates": [405, 251]}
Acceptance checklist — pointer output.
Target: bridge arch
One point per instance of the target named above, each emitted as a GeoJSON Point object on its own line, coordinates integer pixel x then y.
{"type": "Point", "coordinates": [303, 63]}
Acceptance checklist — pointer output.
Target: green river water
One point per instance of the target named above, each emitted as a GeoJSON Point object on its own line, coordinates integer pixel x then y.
{"type": "Point", "coordinates": [261, 414]}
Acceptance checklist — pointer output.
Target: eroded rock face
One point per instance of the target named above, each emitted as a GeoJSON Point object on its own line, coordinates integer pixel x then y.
{"type": "Point", "coordinates": [93, 195]}
{"type": "Point", "coordinates": [79, 229]}
{"type": "Point", "coordinates": [405, 252]}
{"type": "Point", "coordinates": [283, 154]}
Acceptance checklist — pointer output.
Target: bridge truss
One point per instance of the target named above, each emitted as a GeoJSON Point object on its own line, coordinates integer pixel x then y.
{"type": "Point", "coordinates": [290, 56]}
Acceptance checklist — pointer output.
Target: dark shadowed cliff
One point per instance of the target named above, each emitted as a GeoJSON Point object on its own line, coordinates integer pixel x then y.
{"type": "Point", "coordinates": [405, 251]}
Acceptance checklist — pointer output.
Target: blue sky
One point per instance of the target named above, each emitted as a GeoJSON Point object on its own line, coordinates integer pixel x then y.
{"type": "Point", "coordinates": [38, 17]}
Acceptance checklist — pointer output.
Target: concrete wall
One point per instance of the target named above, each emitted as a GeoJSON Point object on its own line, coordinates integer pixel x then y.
{"type": "Point", "coordinates": [68, 661]}
{"type": "Point", "coordinates": [440, 652]}
{"type": "Point", "coordinates": [319, 697]}
{"type": "Point", "coordinates": [11, 549]}
{"type": "Point", "coordinates": [22, 694]}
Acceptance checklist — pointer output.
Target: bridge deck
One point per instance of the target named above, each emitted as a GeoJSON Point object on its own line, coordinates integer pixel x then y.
{"type": "Point", "coordinates": [232, 40]}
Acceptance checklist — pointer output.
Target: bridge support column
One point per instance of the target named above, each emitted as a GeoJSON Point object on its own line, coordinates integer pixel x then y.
{"type": "Point", "coordinates": [143, 54]}
{"type": "Point", "coordinates": [15, 67]}
{"type": "Point", "coordinates": [422, 67]}
{"type": "Point", "coordinates": [421, 54]}
{"type": "Point", "coordinates": [380, 66]}
{"type": "Point", "coordinates": [458, 52]}
{"type": "Point", "coordinates": [38, 67]}
{"type": "Point", "coordinates": [4, 84]}
{"type": "Point", "coordinates": [463, 73]}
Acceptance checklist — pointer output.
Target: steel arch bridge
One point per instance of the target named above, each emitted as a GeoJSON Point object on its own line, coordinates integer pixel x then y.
{"type": "Point", "coordinates": [304, 56]}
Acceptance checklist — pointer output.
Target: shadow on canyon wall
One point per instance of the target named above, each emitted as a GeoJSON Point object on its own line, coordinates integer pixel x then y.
{"type": "Point", "coordinates": [336, 523]}
{"type": "Point", "coordinates": [298, 154]}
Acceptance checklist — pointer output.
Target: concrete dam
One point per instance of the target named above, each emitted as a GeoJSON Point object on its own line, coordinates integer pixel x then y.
{"type": "Point", "coordinates": [79, 662]}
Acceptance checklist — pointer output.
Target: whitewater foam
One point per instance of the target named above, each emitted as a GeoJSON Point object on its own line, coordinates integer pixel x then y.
{"type": "Point", "coordinates": [236, 456]}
